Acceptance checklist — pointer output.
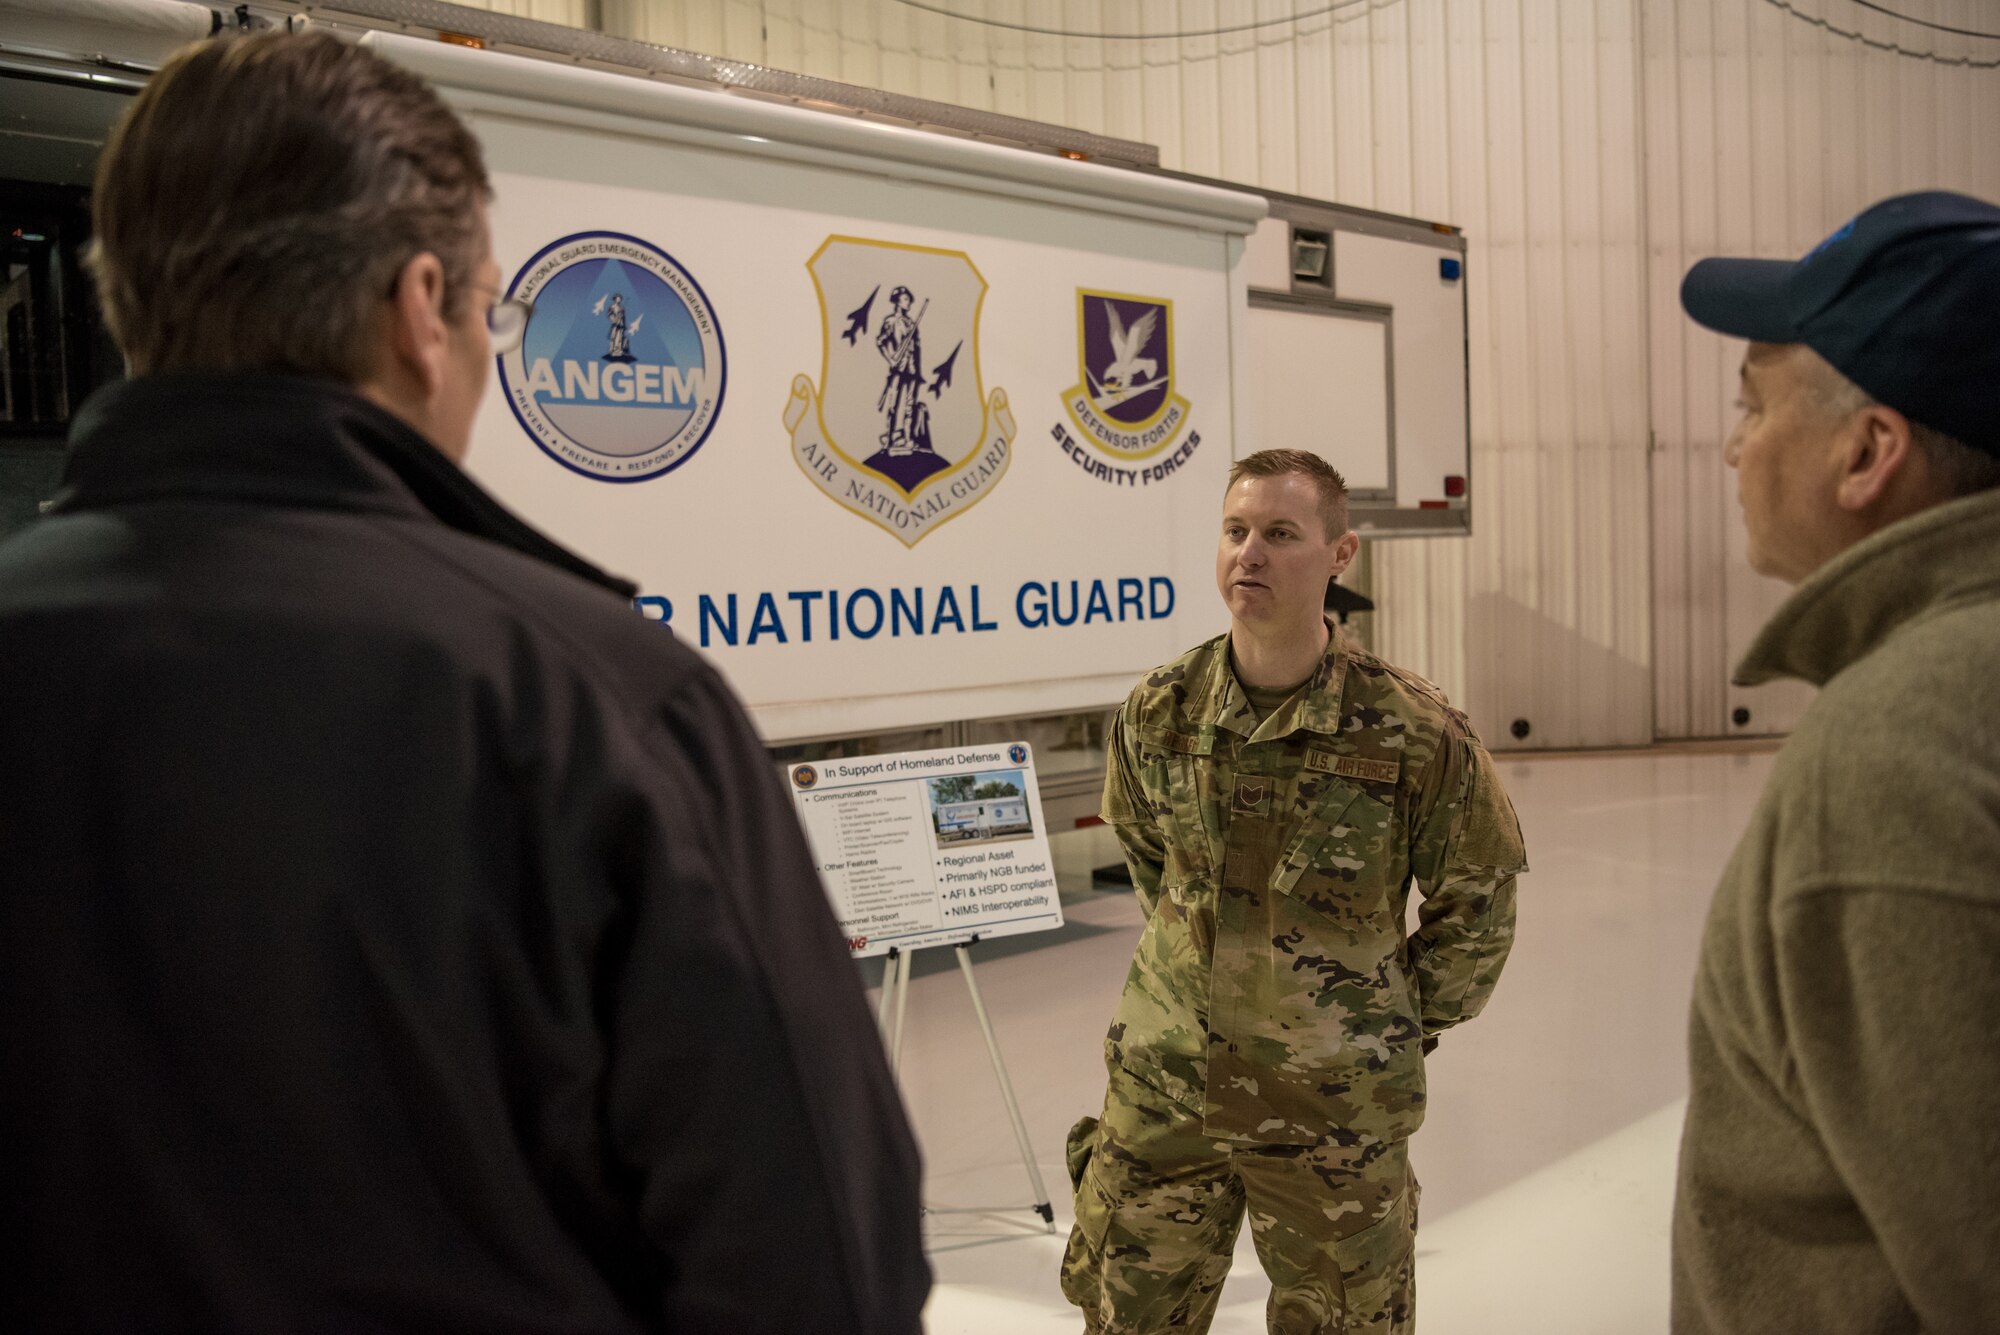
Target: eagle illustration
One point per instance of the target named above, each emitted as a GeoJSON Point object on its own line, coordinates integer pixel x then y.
{"type": "Point", "coordinates": [1126, 345]}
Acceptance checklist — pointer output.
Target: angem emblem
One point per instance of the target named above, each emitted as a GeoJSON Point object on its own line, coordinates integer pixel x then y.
{"type": "Point", "coordinates": [621, 373]}
{"type": "Point", "coordinates": [900, 428]}
{"type": "Point", "coordinates": [1125, 402]}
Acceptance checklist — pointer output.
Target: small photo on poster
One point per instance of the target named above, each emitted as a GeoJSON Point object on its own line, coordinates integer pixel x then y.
{"type": "Point", "coordinates": [929, 848]}
{"type": "Point", "coordinates": [983, 808]}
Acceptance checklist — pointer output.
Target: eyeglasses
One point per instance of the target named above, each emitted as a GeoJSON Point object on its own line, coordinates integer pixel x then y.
{"type": "Point", "coordinates": [506, 319]}
{"type": "Point", "coordinates": [507, 323]}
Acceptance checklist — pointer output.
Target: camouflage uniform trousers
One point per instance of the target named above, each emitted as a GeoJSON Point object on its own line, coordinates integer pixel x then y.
{"type": "Point", "coordinates": [1158, 1206]}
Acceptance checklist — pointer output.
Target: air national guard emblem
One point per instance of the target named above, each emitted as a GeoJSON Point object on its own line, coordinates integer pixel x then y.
{"type": "Point", "coordinates": [621, 374]}
{"type": "Point", "coordinates": [1125, 403]}
{"type": "Point", "coordinates": [900, 429]}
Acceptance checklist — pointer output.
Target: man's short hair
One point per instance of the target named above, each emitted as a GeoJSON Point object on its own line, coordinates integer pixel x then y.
{"type": "Point", "coordinates": [1324, 476]}
{"type": "Point", "coordinates": [1960, 469]}
{"type": "Point", "coordinates": [1957, 468]}
{"type": "Point", "coordinates": [256, 202]}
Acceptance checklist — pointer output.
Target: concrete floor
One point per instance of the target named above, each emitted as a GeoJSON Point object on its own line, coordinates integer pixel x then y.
{"type": "Point", "coordinates": [1547, 1157]}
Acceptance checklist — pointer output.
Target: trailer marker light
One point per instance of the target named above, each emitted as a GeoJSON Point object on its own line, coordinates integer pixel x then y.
{"type": "Point", "coordinates": [462, 39]}
{"type": "Point", "coordinates": [1434, 505]}
{"type": "Point", "coordinates": [1454, 485]}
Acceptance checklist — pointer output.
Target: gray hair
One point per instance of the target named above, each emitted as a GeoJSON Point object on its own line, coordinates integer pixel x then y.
{"type": "Point", "coordinates": [1959, 469]}
{"type": "Point", "coordinates": [257, 200]}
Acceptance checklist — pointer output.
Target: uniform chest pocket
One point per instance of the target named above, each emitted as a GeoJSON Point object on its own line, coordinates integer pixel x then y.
{"type": "Point", "coordinates": [1345, 855]}
{"type": "Point", "coordinates": [1178, 774]}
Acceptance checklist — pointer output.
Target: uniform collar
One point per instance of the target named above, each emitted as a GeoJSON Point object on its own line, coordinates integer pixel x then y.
{"type": "Point", "coordinates": [1939, 558]}
{"type": "Point", "coordinates": [289, 442]}
{"type": "Point", "coordinates": [1220, 699]}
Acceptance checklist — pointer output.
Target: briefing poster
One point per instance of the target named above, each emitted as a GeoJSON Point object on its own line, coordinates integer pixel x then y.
{"type": "Point", "coordinates": [929, 848]}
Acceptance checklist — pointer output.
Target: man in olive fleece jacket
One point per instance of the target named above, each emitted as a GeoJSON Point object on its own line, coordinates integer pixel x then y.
{"type": "Point", "coordinates": [1840, 1169]}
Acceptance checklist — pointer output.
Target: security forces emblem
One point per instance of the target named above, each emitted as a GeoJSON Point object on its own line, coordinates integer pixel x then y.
{"type": "Point", "coordinates": [1018, 754]}
{"type": "Point", "coordinates": [1124, 403]}
{"type": "Point", "coordinates": [900, 428]}
{"type": "Point", "coordinates": [621, 374]}
{"type": "Point", "coordinates": [804, 776]}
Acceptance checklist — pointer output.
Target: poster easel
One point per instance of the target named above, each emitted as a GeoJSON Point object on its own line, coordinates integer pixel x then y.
{"type": "Point", "coordinates": [895, 996]}
{"type": "Point", "coordinates": [934, 848]}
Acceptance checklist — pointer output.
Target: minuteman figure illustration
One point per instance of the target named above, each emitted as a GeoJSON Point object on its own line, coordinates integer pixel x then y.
{"type": "Point", "coordinates": [900, 341]}
{"type": "Point", "coordinates": [906, 442]}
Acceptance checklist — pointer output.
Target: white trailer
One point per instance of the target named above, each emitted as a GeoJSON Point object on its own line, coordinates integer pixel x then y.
{"type": "Point", "coordinates": [914, 420]}
{"type": "Point", "coordinates": [984, 819]}
{"type": "Point", "coordinates": [1006, 815]}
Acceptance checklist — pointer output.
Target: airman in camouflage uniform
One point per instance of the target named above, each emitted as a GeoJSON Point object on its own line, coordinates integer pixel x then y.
{"type": "Point", "coordinates": [1268, 1048]}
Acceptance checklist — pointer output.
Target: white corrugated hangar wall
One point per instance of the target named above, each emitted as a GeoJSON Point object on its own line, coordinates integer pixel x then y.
{"type": "Point", "coordinates": [1592, 150]}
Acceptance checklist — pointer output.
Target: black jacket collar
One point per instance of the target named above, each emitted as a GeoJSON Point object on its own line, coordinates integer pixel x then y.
{"type": "Point", "coordinates": [284, 441]}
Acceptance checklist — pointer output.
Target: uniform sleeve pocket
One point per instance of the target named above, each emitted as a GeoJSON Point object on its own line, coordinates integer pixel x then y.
{"type": "Point", "coordinates": [1488, 833]}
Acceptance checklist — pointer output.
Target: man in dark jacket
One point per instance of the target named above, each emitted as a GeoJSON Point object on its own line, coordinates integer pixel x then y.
{"type": "Point", "coordinates": [1841, 1163]}
{"type": "Point", "coordinates": [396, 932]}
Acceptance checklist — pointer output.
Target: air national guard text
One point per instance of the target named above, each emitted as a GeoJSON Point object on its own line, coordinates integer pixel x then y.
{"type": "Point", "coordinates": [801, 616]}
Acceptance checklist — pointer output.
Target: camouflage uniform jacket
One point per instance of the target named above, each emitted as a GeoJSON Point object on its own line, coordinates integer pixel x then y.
{"type": "Point", "coordinates": [1273, 990]}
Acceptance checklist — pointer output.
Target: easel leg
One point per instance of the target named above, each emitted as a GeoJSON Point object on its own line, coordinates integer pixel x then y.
{"type": "Point", "coordinates": [1042, 1206]}
{"type": "Point", "coordinates": [888, 996]}
{"type": "Point", "coordinates": [884, 1007]}
{"type": "Point", "coordinates": [902, 1004]}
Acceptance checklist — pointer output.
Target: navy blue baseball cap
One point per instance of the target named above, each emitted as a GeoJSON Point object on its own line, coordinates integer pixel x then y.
{"type": "Point", "coordinates": [1904, 301]}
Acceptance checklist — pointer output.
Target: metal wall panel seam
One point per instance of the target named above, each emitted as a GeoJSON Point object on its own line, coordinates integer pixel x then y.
{"type": "Point", "coordinates": [1708, 704]}
{"type": "Point", "coordinates": [1277, 114]}
{"type": "Point", "coordinates": [1595, 520]}
{"type": "Point", "coordinates": [1554, 676]}
{"type": "Point", "coordinates": [1666, 369]}
{"type": "Point", "coordinates": [1627, 500]}
{"type": "Point", "coordinates": [1641, 273]}
{"type": "Point", "coordinates": [1238, 72]}
{"type": "Point", "coordinates": [1441, 593]}
{"type": "Point", "coordinates": [1524, 458]}
{"type": "Point", "coordinates": [857, 30]}
{"type": "Point", "coordinates": [1160, 81]}
{"type": "Point", "coordinates": [1486, 562]}
{"type": "Point", "coordinates": [1315, 99]}
{"type": "Point", "coordinates": [1588, 557]}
